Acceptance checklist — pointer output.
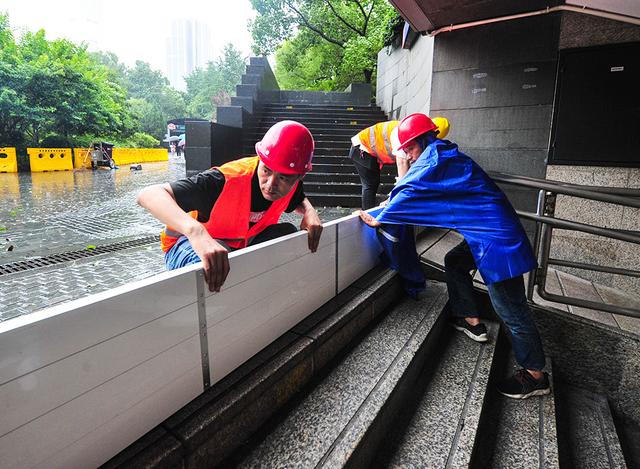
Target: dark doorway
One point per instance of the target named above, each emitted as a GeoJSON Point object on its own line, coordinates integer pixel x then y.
{"type": "Point", "coordinates": [597, 107]}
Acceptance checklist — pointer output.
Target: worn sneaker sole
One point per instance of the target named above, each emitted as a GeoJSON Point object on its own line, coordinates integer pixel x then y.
{"type": "Point", "coordinates": [471, 335]}
{"type": "Point", "coordinates": [537, 392]}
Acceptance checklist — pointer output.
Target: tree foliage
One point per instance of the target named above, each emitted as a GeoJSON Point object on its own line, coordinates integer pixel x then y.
{"type": "Point", "coordinates": [55, 87]}
{"type": "Point", "coordinates": [152, 100]}
{"type": "Point", "coordinates": [59, 92]}
{"type": "Point", "coordinates": [322, 44]}
{"type": "Point", "coordinates": [215, 84]}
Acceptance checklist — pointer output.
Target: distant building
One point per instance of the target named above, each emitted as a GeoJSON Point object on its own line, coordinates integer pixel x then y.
{"type": "Point", "coordinates": [189, 46]}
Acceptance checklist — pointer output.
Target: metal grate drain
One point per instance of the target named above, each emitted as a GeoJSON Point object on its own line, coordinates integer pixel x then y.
{"type": "Point", "coordinates": [73, 255]}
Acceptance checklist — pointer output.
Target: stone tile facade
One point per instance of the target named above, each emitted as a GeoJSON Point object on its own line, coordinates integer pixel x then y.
{"type": "Point", "coordinates": [404, 79]}
{"type": "Point", "coordinates": [583, 247]}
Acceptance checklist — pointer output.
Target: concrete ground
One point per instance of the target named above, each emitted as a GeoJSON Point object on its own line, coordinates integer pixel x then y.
{"type": "Point", "coordinates": [44, 214]}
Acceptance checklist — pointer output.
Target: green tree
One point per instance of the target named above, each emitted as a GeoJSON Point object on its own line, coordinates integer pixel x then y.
{"type": "Point", "coordinates": [215, 84]}
{"type": "Point", "coordinates": [117, 69]}
{"type": "Point", "coordinates": [322, 44]}
{"type": "Point", "coordinates": [162, 101]}
{"type": "Point", "coordinates": [55, 88]}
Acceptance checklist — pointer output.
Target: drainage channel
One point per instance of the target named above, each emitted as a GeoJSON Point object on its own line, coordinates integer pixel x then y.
{"type": "Point", "coordinates": [54, 259]}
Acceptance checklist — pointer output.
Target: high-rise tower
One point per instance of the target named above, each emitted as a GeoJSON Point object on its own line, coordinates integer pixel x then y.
{"type": "Point", "coordinates": [188, 47]}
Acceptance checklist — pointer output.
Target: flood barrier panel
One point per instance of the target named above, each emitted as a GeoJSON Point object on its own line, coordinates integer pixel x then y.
{"type": "Point", "coordinates": [50, 159]}
{"type": "Point", "coordinates": [139, 155]}
{"type": "Point", "coordinates": [8, 160]}
{"type": "Point", "coordinates": [81, 381]}
{"type": "Point", "coordinates": [82, 158]}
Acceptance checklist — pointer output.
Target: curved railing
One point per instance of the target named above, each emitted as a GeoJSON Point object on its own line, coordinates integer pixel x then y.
{"type": "Point", "coordinates": [546, 221]}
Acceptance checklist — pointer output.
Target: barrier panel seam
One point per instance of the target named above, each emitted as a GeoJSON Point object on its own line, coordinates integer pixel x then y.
{"type": "Point", "coordinates": [202, 330]}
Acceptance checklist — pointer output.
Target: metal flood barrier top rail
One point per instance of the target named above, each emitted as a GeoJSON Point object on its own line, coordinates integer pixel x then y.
{"type": "Point", "coordinates": [83, 380]}
{"type": "Point", "coordinates": [546, 221]}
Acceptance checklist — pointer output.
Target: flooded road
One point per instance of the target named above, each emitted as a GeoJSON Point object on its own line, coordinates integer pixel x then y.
{"type": "Point", "coordinates": [45, 214]}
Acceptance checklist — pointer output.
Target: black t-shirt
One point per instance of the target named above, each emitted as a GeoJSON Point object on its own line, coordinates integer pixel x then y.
{"type": "Point", "coordinates": [201, 191]}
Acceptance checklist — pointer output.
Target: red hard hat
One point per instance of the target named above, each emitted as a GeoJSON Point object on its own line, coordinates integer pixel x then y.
{"type": "Point", "coordinates": [287, 148]}
{"type": "Point", "coordinates": [413, 126]}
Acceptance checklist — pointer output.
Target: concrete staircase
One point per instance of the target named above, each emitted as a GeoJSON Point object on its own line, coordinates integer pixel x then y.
{"type": "Point", "coordinates": [411, 393]}
{"type": "Point", "coordinates": [333, 182]}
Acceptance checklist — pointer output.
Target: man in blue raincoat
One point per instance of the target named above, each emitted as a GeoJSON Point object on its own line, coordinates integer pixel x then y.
{"type": "Point", "coordinates": [445, 188]}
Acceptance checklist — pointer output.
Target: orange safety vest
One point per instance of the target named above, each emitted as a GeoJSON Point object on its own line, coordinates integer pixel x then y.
{"type": "Point", "coordinates": [229, 218]}
{"type": "Point", "coordinates": [377, 141]}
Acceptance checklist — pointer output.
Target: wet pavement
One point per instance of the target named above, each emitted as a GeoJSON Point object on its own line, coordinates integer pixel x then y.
{"type": "Point", "coordinates": [42, 214]}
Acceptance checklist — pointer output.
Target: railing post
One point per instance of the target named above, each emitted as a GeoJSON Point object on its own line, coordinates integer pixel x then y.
{"type": "Point", "coordinates": [536, 245]}
{"type": "Point", "coordinates": [549, 209]}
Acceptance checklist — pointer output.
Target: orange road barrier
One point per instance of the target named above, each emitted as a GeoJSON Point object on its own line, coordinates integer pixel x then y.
{"type": "Point", "coordinates": [82, 158]}
{"type": "Point", "coordinates": [50, 159]}
{"type": "Point", "coordinates": [139, 155]}
{"type": "Point", "coordinates": [8, 160]}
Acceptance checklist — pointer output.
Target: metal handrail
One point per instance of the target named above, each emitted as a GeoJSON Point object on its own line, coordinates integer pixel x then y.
{"type": "Point", "coordinates": [545, 223]}
{"type": "Point", "coordinates": [570, 189]}
{"type": "Point", "coordinates": [624, 191]}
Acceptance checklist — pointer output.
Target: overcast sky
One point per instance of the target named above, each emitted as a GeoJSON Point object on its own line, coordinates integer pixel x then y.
{"type": "Point", "coordinates": [132, 29]}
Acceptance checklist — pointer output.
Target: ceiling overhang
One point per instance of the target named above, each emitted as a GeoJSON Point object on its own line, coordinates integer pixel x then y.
{"type": "Point", "coordinates": [426, 16]}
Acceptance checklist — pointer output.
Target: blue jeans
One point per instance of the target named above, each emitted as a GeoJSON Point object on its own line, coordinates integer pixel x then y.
{"type": "Point", "coordinates": [509, 302]}
{"type": "Point", "coordinates": [182, 254]}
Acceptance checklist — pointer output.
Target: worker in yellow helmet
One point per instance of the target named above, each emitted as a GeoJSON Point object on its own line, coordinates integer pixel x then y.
{"type": "Point", "coordinates": [376, 146]}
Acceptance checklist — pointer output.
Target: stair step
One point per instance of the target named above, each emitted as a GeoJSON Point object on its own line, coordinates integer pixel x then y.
{"type": "Point", "coordinates": [312, 119]}
{"type": "Point", "coordinates": [300, 105]}
{"type": "Point", "coordinates": [443, 429]}
{"type": "Point", "coordinates": [526, 433]}
{"type": "Point", "coordinates": [362, 120]}
{"type": "Point", "coordinates": [332, 159]}
{"type": "Point", "coordinates": [314, 176]}
{"type": "Point", "coordinates": [589, 428]}
{"type": "Point", "coordinates": [334, 168]}
{"type": "Point", "coordinates": [318, 133]}
{"type": "Point", "coordinates": [341, 188]}
{"type": "Point", "coordinates": [335, 200]}
{"type": "Point", "coordinates": [319, 150]}
{"type": "Point", "coordinates": [335, 419]}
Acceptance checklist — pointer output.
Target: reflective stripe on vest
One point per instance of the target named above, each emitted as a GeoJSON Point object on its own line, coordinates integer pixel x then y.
{"type": "Point", "coordinates": [377, 141]}
{"type": "Point", "coordinates": [372, 142]}
{"type": "Point", "coordinates": [386, 137]}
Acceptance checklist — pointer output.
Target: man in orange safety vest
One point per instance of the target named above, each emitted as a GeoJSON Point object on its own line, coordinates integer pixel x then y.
{"type": "Point", "coordinates": [237, 204]}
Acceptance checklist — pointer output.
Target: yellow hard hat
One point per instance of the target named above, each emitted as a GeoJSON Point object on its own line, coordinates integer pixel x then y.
{"type": "Point", "coordinates": [443, 126]}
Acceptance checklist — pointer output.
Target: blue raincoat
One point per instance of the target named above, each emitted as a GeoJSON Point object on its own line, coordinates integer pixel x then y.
{"type": "Point", "coordinates": [445, 188]}
{"type": "Point", "coordinates": [399, 253]}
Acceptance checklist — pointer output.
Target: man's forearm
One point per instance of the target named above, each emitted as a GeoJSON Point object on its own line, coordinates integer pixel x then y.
{"type": "Point", "coordinates": [403, 167]}
{"type": "Point", "coordinates": [159, 201]}
{"type": "Point", "coordinates": [304, 207]}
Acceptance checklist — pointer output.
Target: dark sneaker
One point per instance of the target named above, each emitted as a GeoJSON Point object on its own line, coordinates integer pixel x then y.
{"type": "Point", "coordinates": [477, 332]}
{"type": "Point", "coordinates": [522, 385]}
